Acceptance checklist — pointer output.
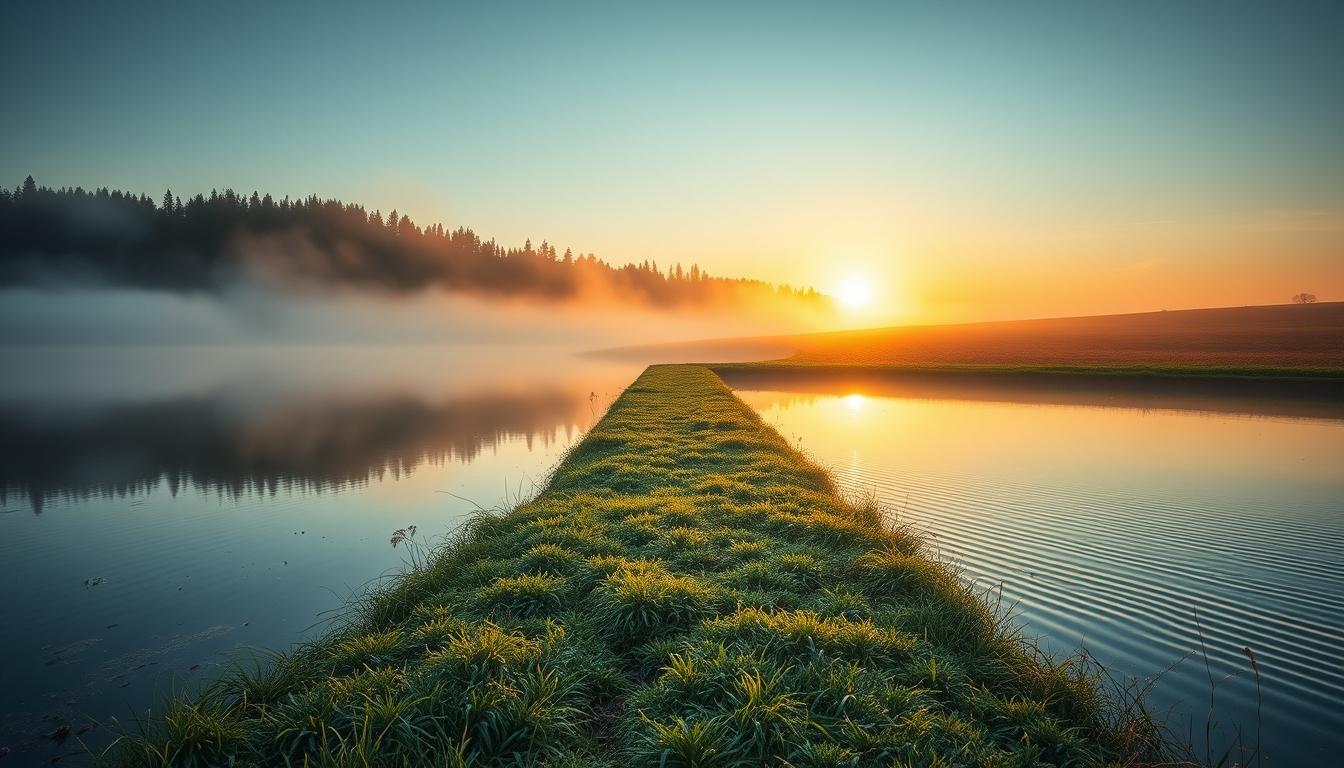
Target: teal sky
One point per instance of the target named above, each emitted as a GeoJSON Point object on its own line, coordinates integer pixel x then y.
{"type": "Point", "coordinates": [916, 144]}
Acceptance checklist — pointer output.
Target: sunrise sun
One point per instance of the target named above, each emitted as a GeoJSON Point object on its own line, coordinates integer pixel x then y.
{"type": "Point", "coordinates": [855, 292]}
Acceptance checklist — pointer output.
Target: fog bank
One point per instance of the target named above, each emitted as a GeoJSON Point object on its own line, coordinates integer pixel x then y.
{"type": "Point", "coordinates": [255, 315]}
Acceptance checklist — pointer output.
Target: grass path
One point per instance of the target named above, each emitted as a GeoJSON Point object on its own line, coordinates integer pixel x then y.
{"type": "Point", "coordinates": [688, 591]}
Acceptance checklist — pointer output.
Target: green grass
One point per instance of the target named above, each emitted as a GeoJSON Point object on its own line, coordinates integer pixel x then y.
{"type": "Point", "coordinates": [688, 591]}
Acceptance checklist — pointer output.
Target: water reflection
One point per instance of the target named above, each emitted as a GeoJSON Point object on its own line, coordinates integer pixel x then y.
{"type": "Point", "coordinates": [190, 504]}
{"type": "Point", "coordinates": [1148, 527]}
{"type": "Point", "coordinates": [76, 424]}
{"type": "Point", "coordinates": [233, 448]}
{"type": "Point", "coordinates": [1291, 398]}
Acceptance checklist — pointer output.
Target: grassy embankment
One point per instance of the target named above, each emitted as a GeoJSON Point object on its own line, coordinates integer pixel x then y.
{"type": "Point", "coordinates": [688, 590]}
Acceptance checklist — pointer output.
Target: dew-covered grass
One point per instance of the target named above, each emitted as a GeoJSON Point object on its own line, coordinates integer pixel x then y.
{"type": "Point", "coordinates": [688, 591]}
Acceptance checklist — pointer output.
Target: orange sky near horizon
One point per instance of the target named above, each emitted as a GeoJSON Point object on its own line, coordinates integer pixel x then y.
{"type": "Point", "coordinates": [967, 274]}
{"type": "Point", "coordinates": [930, 264]}
{"type": "Point", "coordinates": [972, 161]}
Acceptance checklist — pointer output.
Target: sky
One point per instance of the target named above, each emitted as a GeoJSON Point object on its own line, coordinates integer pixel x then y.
{"type": "Point", "coordinates": [966, 161]}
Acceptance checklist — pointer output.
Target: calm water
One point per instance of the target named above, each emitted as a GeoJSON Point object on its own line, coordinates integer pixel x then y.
{"type": "Point", "coordinates": [1116, 523]}
{"type": "Point", "coordinates": [163, 509]}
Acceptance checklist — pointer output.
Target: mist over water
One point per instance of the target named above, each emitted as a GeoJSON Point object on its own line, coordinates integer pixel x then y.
{"type": "Point", "coordinates": [251, 314]}
{"type": "Point", "coordinates": [164, 509]}
{"type": "Point", "coordinates": [288, 297]}
{"type": "Point", "coordinates": [187, 475]}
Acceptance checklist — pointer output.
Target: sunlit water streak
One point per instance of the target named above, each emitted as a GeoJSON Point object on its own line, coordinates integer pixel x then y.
{"type": "Point", "coordinates": [1129, 532]}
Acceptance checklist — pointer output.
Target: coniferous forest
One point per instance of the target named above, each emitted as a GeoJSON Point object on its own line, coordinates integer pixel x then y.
{"type": "Point", "coordinates": [203, 244]}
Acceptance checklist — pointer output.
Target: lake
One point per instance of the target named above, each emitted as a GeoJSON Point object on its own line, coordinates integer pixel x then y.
{"type": "Point", "coordinates": [164, 510]}
{"type": "Point", "coordinates": [1130, 523]}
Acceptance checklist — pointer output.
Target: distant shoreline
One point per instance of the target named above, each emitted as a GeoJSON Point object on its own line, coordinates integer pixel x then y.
{"type": "Point", "coordinates": [1312, 374]}
{"type": "Point", "coordinates": [1276, 343]}
{"type": "Point", "coordinates": [1285, 392]}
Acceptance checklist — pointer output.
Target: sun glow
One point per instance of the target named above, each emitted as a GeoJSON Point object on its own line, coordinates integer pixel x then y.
{"type": "Point", "coordinates": [855, 292]}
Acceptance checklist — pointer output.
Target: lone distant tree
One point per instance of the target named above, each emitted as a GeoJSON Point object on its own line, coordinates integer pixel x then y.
{"type": "Point", "coordinates": [1304, 298]}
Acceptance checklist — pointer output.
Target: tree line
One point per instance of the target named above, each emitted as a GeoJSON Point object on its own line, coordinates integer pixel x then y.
{"type": "Point", "coordinates": [52, 237]}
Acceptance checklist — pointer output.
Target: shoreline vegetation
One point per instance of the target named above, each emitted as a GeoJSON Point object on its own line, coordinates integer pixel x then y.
{"type": "Point", "coordinates": [688, 590]}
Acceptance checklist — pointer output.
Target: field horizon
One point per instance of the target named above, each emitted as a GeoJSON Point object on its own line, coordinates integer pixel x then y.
{"type": "Point", "coordinates": [694, 385]}
{"type": "Point", "coordinates": [1271, 338]}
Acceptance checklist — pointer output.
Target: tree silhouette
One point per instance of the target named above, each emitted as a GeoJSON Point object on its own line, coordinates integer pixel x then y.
{"type": "Point", "coordinates": [109, 237]}
{"type": "Point", "coordinates": [1304, 298]}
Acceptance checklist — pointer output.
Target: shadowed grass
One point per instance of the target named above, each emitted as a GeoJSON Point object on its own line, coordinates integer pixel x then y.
{"type": "Point", "coordinates": [688, 591]}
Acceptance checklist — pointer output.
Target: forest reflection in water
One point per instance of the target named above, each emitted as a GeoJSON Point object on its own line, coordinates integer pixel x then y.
{"type": "Point", "coordinates": [164, 509]}
{"type": "Point", "coordinates": [209, 443]}
{"type": "Point", "coordinates": [261, 432]}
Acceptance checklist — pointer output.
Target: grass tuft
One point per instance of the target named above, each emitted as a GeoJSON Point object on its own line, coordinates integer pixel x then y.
{"type": "Point", "coordinates": [532, 594]}
{"type": "Point", "coordinates": [688, 591]}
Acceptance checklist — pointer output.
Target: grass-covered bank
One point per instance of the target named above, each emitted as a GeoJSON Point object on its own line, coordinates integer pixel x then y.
{"type": "Point", "coordinates": [688, 590]}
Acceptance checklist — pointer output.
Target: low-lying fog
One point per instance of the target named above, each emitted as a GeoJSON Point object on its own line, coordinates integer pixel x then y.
{"type": "Point", "coordinates": [249, 315]}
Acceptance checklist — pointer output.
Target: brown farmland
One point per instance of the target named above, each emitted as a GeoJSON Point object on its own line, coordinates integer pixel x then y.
{"type": "Point", "coordinates": [1277, 336]}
